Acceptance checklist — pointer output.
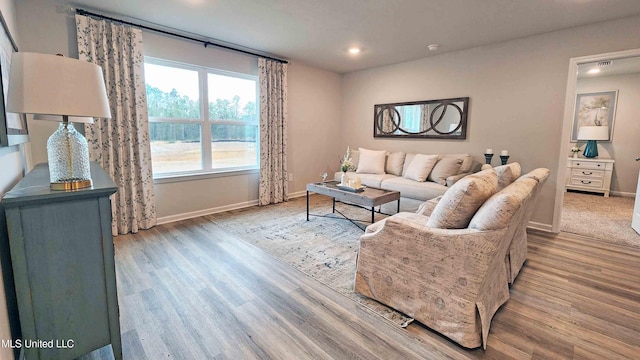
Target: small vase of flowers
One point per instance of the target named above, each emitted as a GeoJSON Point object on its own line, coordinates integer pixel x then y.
{"type": "Point", "coordinates": [575, 150]}
{"type": "Point", "coordinates": [346, 164]}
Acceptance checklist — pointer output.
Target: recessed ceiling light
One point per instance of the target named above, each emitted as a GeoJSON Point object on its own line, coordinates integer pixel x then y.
{"type": "Point", "coordinates": [433, 47]}
{"type": "Point", "coordinates": [593, 71]}
{"type": "Point", "coordinates": [354, 50]}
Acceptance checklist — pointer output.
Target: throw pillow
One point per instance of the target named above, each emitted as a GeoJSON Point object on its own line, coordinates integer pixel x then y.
{"type": "Point", "coordinates": [420, 167]}
{"type": "Point", "coordinates": [507, 174]}
{"type": "Point", "coordinates": [407, 160]}
{"type": "Point", "coordinates": [462, 200]}
{"type": "Point", "coordinates": [467, 162]}
{"type": "Point", "coordinates": [395, 161]}
{"type": "Point", "coordinates": [498, 212]}
{"type": "Point", "coordinates": [444, 168]}
{"type": "Point", "coordinates": [371, 161]}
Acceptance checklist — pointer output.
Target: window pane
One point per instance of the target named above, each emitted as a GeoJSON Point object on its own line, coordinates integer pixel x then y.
{"type": "Point", "coordinates": [231, 98]}
{"type": "Point", "coordinates": [234, 145]}
{"type": "Point", "coordinates": [172, 92]}
{"type": "Point", "coordinates": [175, 147]}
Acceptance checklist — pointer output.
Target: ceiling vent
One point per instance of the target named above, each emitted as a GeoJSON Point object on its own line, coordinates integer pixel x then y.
{"type": "Point", "coordinates": [604, 63]}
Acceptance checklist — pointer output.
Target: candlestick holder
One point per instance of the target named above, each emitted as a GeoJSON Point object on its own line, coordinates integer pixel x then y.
{"type": "Point", "coordinates": [487, 158]}
{"type": "Point", "coordinates": [503, 159]}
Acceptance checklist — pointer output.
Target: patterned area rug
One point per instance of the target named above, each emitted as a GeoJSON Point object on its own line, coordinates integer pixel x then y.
{"type": "Point", "coordinates": [604, 218]}
{"type": "Point", "coordinates": [322, 248]}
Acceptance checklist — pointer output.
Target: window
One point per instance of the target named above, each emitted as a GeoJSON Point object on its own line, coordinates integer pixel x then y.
{"type": "Point", "coordinates": [202, 120]}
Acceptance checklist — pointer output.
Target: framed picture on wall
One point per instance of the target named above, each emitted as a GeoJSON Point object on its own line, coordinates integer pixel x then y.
{"type": "Point", "coordinates": [594, 109]}
{"type": "Point", "coordinates": [13, 127]}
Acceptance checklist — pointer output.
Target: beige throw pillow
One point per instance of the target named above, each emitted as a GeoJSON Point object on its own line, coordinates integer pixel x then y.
{"type": "Point", "coordinates": [420, 167]}
{"type": "Point", "coordinates": [444, 168]}
{"type": "Point", "coordinates": [499, 211]}
{"type": "Point", "coordinates": [407, 160]}
{"type": "Point", "coordinates": [467, 162]}
{"type": "Point", "coordinates": [507, 174]}
{"type": "Point", "coordinates": [371, 161]}
{"type": "Point", "coordinates": [462, 200]}
{"type": "Point", "coordinates": [395, 161]}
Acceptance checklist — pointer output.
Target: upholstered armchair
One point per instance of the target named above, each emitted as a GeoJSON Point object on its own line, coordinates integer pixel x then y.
{"type": "Point", "coordinates": [452, 280]}
{"type": "Point", "coordinates": [517, 254]}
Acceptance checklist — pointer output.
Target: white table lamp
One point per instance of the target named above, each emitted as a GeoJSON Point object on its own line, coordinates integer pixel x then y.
{"type": "Point", "coordinates": [60, 89]}
{"type": "Point", "coordinates": [591, 134]}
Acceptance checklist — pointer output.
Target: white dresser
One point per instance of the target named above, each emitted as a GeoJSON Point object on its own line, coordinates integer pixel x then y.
{"type": "Point", "coordinates": [592, 175]}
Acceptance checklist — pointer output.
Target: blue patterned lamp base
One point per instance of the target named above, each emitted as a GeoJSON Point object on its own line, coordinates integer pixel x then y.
{"type": "Point", "coordinates": [591, 150]}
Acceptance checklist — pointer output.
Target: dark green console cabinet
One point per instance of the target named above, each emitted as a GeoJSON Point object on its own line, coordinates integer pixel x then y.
{"type": "Point", "coordinates": [63, 265]}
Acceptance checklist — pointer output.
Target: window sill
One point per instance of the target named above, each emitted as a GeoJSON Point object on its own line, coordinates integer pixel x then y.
{"type": "Point", "coordinates": [165, 179]}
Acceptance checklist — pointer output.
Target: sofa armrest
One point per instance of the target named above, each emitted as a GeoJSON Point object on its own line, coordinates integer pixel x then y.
{"type": "Point", "coordinates": [454, 178]}
{"type": "Point", "coordinates": [426, 208]}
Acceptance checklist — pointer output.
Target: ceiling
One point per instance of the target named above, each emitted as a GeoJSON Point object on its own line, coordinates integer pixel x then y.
{"type": "Point", "coordinates": [319, 32]}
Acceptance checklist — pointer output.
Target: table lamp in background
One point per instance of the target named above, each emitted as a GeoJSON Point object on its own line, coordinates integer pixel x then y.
{"type": "Point", "coordinates": [591, 134]}
{"type": "Point", "coordinates": [61, 89]}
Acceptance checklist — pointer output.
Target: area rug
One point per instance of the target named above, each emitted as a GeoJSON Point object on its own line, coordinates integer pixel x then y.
{"type": "Point", "coordinates": [603, 218]}
{"type": "Point", "coordinates": [323, 248]}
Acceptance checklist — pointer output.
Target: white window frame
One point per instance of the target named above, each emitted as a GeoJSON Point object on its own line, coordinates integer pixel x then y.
{"type": "Point", "coordinates": [205, 122]}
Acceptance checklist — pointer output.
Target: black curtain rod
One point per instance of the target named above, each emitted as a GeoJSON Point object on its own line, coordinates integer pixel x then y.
{"type": "Point", "coordinates": [204, 42]}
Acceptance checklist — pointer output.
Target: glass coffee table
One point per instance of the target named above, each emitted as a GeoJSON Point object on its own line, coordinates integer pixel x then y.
{"type": "Point", "coordinates": [370, 197]}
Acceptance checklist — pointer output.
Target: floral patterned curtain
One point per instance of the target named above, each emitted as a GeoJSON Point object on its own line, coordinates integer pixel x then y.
{"type": "Point", "coordinates": [273, 132]}
{"type": "Point", "coordinates": [121, 144]}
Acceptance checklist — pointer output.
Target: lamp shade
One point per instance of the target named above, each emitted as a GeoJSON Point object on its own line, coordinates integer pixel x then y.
{"type": "Point", "coordinates": [593, 133]}
{"type": "Point", "coordinates": [56, 85]}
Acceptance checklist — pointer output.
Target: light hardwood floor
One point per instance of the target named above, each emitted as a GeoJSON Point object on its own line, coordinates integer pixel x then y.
{"type": "Point", "coordinates": [188, 290]}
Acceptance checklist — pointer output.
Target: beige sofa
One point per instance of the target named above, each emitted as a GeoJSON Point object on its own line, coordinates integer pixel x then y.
{"type": "Point", "coordinates": [446, 171]}
{"type": "Point", "coordinates": [448, 270]}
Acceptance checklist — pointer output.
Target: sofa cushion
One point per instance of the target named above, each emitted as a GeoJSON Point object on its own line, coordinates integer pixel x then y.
{"type": "Point", "coordinates": [462, 200]}
{"type": "Point", "coordinates": [413, 189]}
{"type": "Point", "coordinates": [421, 167]}
{"type": "Point", "coordinates": [467, 162]}
{"type": "Point", "coordinates": [498, 211]}
{"type": "Point", "coordinates": [445, 167]}
{"type": "Point", "coordinates": [507, 174]}
{"type": "Point", "coordinates": [371, 161]}
{"type": "Point", "coordinates": [372, 180]}
{"type": "Point", "coordinates": [395, 162]}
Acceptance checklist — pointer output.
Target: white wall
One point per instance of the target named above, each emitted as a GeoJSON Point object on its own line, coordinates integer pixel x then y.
{"type": "Point", "coordinates": [517, 92]}
{"type": "Point", "coordinates": [12, 167]}
{"type": "Point", "coordinates": [314, 112]}
{"type": "Point", "coordinates": [624, 147]}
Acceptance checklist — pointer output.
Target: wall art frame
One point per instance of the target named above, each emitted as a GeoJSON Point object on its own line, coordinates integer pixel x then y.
{"type": "Point", "coordinates": [597, 108]}
{"type": "Point", "coordinates": [13, 127]}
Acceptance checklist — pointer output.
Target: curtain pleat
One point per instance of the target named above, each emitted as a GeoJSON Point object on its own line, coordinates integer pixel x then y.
{"type": "Point", "coordinates": [273, 186]}
{"type": "Point", "coordinates": [121, 144]}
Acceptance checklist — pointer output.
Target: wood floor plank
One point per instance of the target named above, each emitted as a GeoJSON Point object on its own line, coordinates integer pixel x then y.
{"type": "Point", "coordinates": [189, 290]}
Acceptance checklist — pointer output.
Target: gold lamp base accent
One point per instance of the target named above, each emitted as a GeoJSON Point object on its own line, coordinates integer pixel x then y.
{"type": "Point", "coordinates": [71, 185]}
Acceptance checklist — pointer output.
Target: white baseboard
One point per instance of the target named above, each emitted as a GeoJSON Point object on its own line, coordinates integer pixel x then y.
{"type": "Point", "coordinates": [539, 226]}
{"type": "Point", "coordinates": [297, 194]}
{"type": "Point", "coordinates": [624, 194]}
{"type": "Point", "coordinates": [194, 214]}
{"type": "Point", "coordinates": [219, 209]}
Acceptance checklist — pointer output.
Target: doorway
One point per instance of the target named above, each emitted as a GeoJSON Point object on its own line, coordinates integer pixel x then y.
{"type": "Point", "coordinates": [602, 94]}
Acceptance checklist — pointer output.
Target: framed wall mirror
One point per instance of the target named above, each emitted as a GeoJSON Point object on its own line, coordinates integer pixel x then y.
{"type": "Point", "coordinates": [429, 119]}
